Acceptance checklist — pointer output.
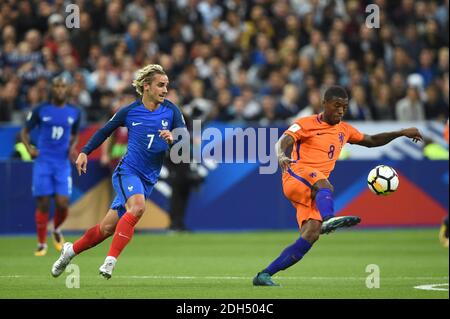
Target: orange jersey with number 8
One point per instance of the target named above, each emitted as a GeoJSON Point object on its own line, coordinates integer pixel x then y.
{"type": "Point", "coordinates": [318, 144]}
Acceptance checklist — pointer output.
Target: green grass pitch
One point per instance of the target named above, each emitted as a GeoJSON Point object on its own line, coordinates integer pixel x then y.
{"type": "Point", "coordinates": [221, 265]}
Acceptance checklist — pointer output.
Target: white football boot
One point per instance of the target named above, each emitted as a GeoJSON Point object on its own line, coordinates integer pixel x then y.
{"type": "Point", "coordinates": [108, 266]}
{"type": "Point", "coordinates": [64, 259]}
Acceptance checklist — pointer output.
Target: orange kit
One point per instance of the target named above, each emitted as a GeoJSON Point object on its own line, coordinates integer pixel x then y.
{"type": "Point", "coordinates": [317, 146]}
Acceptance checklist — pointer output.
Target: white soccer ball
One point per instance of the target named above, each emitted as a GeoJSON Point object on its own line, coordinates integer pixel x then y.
{"type": "Point", "coordinates": [383, 180]}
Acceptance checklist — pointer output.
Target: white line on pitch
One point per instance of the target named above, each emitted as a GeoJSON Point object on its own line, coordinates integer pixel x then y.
{"type": "Point", "coordinates": [432, 287]}
{"type": "Point", "coordinates": [236, 277]}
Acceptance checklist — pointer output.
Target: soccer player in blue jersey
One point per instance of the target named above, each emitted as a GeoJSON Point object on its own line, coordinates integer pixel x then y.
{"type": "Point", "coordinates": [58, 124]}
{"type": "Point", "coordinates": [150, 121]}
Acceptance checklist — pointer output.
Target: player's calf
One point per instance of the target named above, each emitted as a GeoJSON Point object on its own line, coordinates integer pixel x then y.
{"type": "Point", "coordinates": [325, 202]}
{"type": "Point", "coordinates": [311, 230]}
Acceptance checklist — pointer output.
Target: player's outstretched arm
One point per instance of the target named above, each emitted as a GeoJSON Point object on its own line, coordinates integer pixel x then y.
{"type": "Point", "coordinates": [99, 137]}
{"type": "Point", "coordinates": [72, 147]}
{"type": "Point", "coordinates": [25, 138]}
{"type": "Point", "coordinates": [81, 163]}
{"type": "Point", "coordinates": [384, 138]}
{"type": "Point", "coordinates": [284, 143]}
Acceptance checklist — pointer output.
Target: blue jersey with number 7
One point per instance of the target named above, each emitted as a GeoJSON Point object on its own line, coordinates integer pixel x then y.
{"type": "Point", "coordinates": [146, 149]}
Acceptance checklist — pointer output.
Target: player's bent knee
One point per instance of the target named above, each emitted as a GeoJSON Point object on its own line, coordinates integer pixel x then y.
{"type": "Point", "coordinates": [107, 230]}
{"type": "Point", "coordinates": [43, 204]}
{"type": "Point", "coordinates": [311, 231]}
{"type": "Point", "coordinates": [138, 209]}
{"type": "Point", "coordinates": [62, 206]}
{"type": "Point", "coordinates": [44, 208]}
{"type": "Point", "coordinates": [311, 236]}
{"type": "Point", "coordinates": [317, 187]}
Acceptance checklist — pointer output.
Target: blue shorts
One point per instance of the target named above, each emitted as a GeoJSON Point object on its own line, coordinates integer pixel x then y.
{"type": "Point", "coordinates": [51, 178]}
{"type": "Point", "coordinates": [127, 185]}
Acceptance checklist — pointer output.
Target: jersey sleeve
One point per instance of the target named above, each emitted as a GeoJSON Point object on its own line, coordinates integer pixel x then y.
{"type": "Point", "coordinates": [33, 119]}
{"type": "Point", "coordinates": [76, 124]}
{"type": "Point", "coordinates": [178, 119]}
{"type": "Point", "coordinates": [354, 136]}
{"type": "Point", "coordinates": [296, 130]}
{"type": "Point", "coordinates": [102, 134]}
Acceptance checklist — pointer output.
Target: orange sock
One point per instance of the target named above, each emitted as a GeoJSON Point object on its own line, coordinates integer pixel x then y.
{"type": "Point", "coordinates": [41, 219]}
{"type": "Point", "coordinates": [92, 237]}
{"type": "Point", "coordinates": [124, 233]}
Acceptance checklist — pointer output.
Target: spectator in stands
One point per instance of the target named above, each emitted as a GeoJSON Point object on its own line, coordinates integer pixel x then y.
{"type": "Point", "coordinates": [426, 68]}
{"type": "Point", "coordinates": [287, 105]}
{"type": "Point", "coordinates": [383, 103]}
{"type": "Point", "coordinates": [8, 99]}
{"type": "Point", "coordinates": [314, 106]}
{"type": "Point", "coordinates": [358, 108]}
{"type": "Point", "coordinates": [410, 108]}
{"type": "Point", "coordinates": [268, 115]}
{"type": "Point", "coordinates": [314, 40]}
{"type": "Point", "coordinates": [435, 106]}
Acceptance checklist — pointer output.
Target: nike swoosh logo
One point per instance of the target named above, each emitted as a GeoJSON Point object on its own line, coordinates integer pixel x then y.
{"type": "Point", "coordinates": [122, 235]}
{"type": "Point", "coordinates": [134, 124]}
{"type": "Point", "coordinates": [46, 118]}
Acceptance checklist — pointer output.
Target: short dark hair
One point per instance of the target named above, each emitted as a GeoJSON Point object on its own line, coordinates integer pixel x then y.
{"type": "Point", "coordinates": [335, 91]}
{"type": "Point", "coordinates": [60, 78]}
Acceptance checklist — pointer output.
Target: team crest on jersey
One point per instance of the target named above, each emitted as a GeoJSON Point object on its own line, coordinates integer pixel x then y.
{"type": "Point", "coordinates": [70, 120]}
{"type": "Point", "coordinates": [164, 124]}
{"type": "Point", "coordinates": [341, 138]}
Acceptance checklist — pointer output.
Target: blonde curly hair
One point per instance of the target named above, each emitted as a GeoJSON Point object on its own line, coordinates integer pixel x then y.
{"type": "Point", "coordinates": [145, 75]}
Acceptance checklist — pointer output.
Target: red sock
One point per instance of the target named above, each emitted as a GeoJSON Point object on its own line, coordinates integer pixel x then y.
{"type": "Point", "coordinates": [124, 233]}
{"type": "Point", "coordinates": [60, 217]}
{"type": "Point", "coordinates": [91, 238]}
{"type": "Point", "coordinates": [41, 219]}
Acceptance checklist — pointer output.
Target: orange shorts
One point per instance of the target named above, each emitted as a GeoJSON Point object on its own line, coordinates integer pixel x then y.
{"type": "Point", "coordinates": [297, 187]}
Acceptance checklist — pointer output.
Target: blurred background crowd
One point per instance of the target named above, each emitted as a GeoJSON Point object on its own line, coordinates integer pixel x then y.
{"type": "Point", "coordinates": [235, 61]}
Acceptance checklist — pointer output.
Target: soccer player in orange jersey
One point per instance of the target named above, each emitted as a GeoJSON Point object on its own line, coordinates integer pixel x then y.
{"type": "Point", "coordinates": [316, 143]}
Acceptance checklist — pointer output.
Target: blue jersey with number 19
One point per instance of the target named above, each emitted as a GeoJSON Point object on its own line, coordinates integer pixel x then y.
{"type": "Point", "coordinates": [146, 148]}
{"type": "Point", "coordinates": [56, 125]}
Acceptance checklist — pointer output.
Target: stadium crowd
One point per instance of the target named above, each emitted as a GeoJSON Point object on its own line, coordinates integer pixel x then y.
{"type": "Point", "coordinates": [231, 60]}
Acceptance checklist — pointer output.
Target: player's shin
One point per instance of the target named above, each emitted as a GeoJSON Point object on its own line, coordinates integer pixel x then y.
{"type": "Point", "coordinates": [60, 217]}
{"type": "Point", "coordinates": [41, 219]}
{"type": "Point", "coordinates": [91, 238]}
{"type": "Point", "coordinates": [291, 255]}
{"type": "Point", "coordinates": [325, 203]}
{"type": "Point", "coordinates": [124, 233]}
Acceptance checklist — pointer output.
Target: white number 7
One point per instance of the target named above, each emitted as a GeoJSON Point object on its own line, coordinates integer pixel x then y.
{"type": "Point", "coordinates": [152, 136]}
